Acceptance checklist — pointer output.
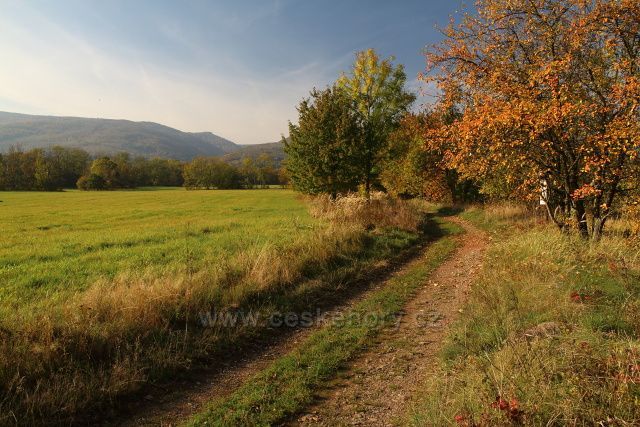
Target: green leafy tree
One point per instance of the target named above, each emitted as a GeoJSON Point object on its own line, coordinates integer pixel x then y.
{"type": "Point", "coordinates": [410, 168]}
{"type": "Point", "coordinates": [108, 170]}
{"type": "Point", "coordinates": [71, 164]}
{"type": "Point", "coordinates": [322, 148]}
{"type": "Point", "coordinates": [164, 172]}
{"type": "Point", "coordinates": [3, 177]}
{"type": "Point", "coordinates": [126, 172]}
{"type": "Point", "coordinates": [377, 89]}
{"type": "Point", "coordinates": [41, 169]}
{"type": "Point", "coordinates": [266, 173]}
{"type": "Point", "coordinates": [249, 172]}
{"type": "Point", "coordinates": [415, 163]}
{"type": "Point", "coordinates": [47, 171]}
{"type": "Point", "coordinates": [13, 171]}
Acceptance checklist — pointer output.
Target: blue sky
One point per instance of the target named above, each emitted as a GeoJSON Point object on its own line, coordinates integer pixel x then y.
{"type": "Point", "coordinates": [235, 68]}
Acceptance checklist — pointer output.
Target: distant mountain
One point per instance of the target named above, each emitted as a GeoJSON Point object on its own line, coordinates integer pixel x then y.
{"type": "Point", "coordinates": [106, 136]}
{"type": "Point", "coordinates": [273, 149]}
{"type": "Point", "coordinates": [224, 144]}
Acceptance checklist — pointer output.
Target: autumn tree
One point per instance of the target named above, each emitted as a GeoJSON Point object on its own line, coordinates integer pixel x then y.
{"type": "Point", "coordinates": [376, 87]}
{"type": "Point", "coordinates": [91, 181]}
{"type": "Point", "coordinates": [283, 176]}
{"type": "Point", "coordinates": [549, 94]}
{"type": "Point", "coordinates": [410, 168]}
{"type": "Point", "coordinates": [322, 149]}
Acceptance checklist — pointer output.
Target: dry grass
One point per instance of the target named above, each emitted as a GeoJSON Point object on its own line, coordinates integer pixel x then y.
{"type": "Point", "coordinates": [627, 224]}
{"type": "Point", "coordinates": [506, 211]}
{"type": "Point", "coordinates": [381, 210]}
{"type": "Point", "coordinates": [104, 343]}
{"type": "Point", "coordinates": [289, 384]}
{"type": "Point", "coordinates": [550, 335]}
{"type": "Point", "coordinates": [114, 338]}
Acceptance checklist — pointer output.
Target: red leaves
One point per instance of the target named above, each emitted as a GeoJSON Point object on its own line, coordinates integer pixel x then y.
{"type": "Point", "coordinates": [579, 297]}
{"type": "Point", "coordinates": [511, 408]}
{"type": "Point", "coordinates": [461, 420]}
{"type": "Point", "coordinates": [500, 404]}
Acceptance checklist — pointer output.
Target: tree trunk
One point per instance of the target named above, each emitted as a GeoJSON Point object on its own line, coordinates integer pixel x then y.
{"type": "Point", "coordinates": [367, 188]}
{"type": "Point", "coordinates": [598, 226]}
{"type": "Point", "coordinates": [553, 217]}
{"type": "Point", "coordinates": [581, 218]}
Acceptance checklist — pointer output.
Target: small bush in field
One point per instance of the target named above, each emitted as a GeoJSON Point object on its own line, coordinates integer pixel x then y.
{"type": "Point", "coordinates": [91, 182]}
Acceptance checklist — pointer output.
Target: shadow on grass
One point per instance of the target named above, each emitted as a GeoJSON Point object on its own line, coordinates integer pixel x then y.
{"type": "Point", "coordinates": [446, 211]}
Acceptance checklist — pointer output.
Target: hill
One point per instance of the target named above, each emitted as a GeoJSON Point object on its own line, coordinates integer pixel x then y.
{"type": "Point", "coordinates": [107, 136]}
{"type": "Point", "coordinates": [274, 149]}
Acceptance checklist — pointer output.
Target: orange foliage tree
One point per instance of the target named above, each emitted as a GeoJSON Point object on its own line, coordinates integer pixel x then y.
{"type": "Point", "coordinates": [549, 92]}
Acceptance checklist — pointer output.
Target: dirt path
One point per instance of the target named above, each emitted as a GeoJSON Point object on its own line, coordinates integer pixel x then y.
{"type": "Point", "coordinates": [377, 388]}
{"type": "Point", "coordinates": [171, 405]}
{"type": "Point", "coordinates": [380, 379]}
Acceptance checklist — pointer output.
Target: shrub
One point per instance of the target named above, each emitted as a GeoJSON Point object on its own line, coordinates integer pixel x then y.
{"type": "Point", "coordinates": [91, 182]}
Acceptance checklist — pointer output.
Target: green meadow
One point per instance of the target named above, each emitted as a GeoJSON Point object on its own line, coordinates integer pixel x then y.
{"type": "Point", "coordinates": [101, 292]}
{"type": "Point", "coordinates": [56, 244]}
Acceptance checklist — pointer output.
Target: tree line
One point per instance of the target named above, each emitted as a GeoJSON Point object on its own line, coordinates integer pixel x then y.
{"type": "Point", "coordinates": [359, 134]}
{"type": "Point", "coordinates": [537, 101]}
{"type": "Point", "coordinates": [57, 168]}
{"type": "Point", "coordinates": [212, 172]}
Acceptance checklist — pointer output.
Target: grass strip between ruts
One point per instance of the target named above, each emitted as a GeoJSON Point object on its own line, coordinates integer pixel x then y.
{"type": "Point", "coordinates": [286, 386]}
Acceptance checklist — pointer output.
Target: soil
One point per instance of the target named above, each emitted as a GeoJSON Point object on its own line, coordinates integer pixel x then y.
{"type": "Point", "coordinates": [378, 387]}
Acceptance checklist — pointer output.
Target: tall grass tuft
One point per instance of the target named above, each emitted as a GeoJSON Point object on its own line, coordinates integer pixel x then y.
{"type": "Point", "coordinates": [381, 210]}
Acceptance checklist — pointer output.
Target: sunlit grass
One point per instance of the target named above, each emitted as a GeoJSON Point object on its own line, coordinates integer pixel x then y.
{"type": "Point", "coordinates": [289, 383]}
{"type": "Point", "coordinates": [55, 244]}
{"type": "Point", "coordinates": [102, 292]}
